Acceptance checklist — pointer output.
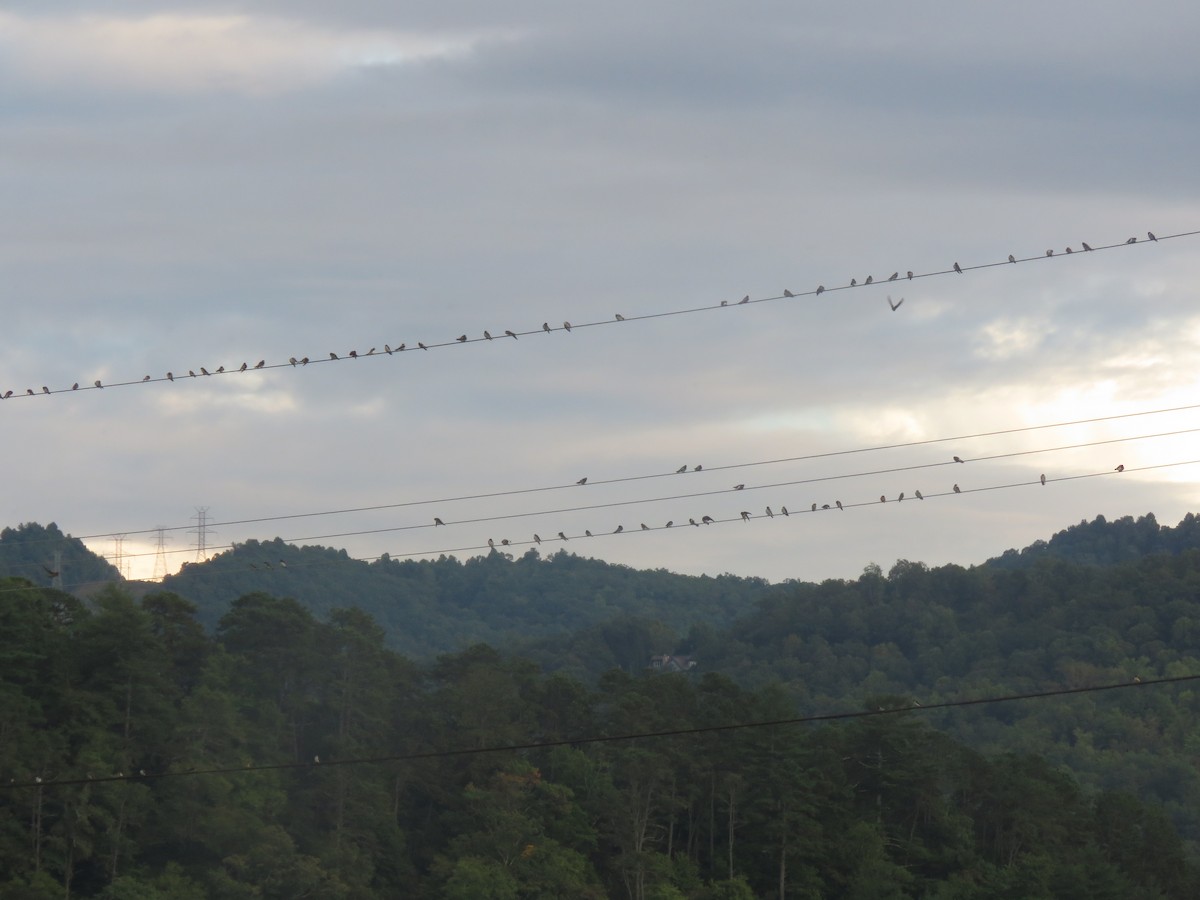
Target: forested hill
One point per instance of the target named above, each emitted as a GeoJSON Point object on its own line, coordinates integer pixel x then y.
{"type": "Point", "coordinates": [435, 606]}
{"type": "Point", "coordinates": [35, 553]}
{"type": "Point", "coordinates": [1101, 542]}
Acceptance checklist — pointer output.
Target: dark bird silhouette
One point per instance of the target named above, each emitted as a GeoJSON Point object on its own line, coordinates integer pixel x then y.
{"type": "Point", "coordinates": [814, 507]}
{"type": "Point", "coordinates": [788, 293]}
{"type": "Point", "coordinates": [504, 542]}
{"type": "Point", "coordinates": [697, 468]}
{"type": "Point", "coordinates": [1049, 252]}
{"type": "Point", "coordinates": [333, 356]}
{"type": "Point", "coordinates": [870, 279]}
{"type": "Point", "coordinates": [144, 378]}
{"type": "Point", "coordinates": [7, 394]}
{"type": "Point", "coordinates": [681, 470]}
{"type": "Point", "coordinates": [918, 495]}
{"type": "Point", "coordinates": [853, 282]}
{"type": "Point", "coordinates": [620, 318]}
{"type": "Point", "coordinates": [745, 516]}
{"type": "Point", "coordinates": [900, 498]}
{"type": "Point", "coordinates": [567, 326]}
{"type": "Point", "coordinates": [304, 362]}
{"type": "Point", "coordinates": [839, 505]}
{"type": "Point", "coordinates": [745, 299]}
{"type": "Point", "coordinates": [354, 353]}
{"type": "Point", "coordinates": [645, 527]}
{"type": "Point", "coordinates": [292, 359]}
{"type": "Point", "coordinates": [190, 372]}
{"type": "Point", "coordinates": [669, 524]}
{"type": "Point", "coordinates": [75, 386]}
{"type": "Point", "coordinates": [562, 536]}
{"type": "Point", "coordinates": [546, 327]}
{"type": "Point", "coordinates": [882, 498]}
{"type": "Point", "coordinates": [462, 338]}
{"type": "Point", "coordinates": [586, 532]}
{"type": "Point", "coordinates": [910, 275]}
{"type": "Point", "coordinates": [693, 522]}
{"type": "Point", "coordinates": [582, 480]}
{"type": "Point", "coordinates": [783, 509]}
{"type": "Point", "coordinates": [1120, 468]}
{"type": "Point", "coordinates": [386, 349]}
{"type": "Point", "coordinates": [97, 383]}
{"type": "Point", "coordinates": [707, 520]}
{"type": "Point", "coordinates": [491, 543]}
{"type": "Point", "coordinates": [895, 306]}
{"type": "Point", "coordinates": [618, 529]}
{"type": "Point", "coordinates": [739, 487]}
{"type": "Point", "coordinates": [894, 276]}
{"type": "Point", "coordinates": [511, 334]}
{"type": "Point", "coordinates": [958, 459]}
{"type": "Point", "coordinates": [1043, 479]}
{"type": "Point", "coordinates": [1150, 234]}
{"type": "Point", "coordinates": [1069, 250]}
{"type": "Point", "coordinates": [724, 302]}
{"type": "Point", "coordinates": [46, 390]}
{"type": "Point", "coordinates": [204, 371]}
{"type": "Point", "coordinates": [422, 346]}
{"type": "Point", "coordinates": [370, 352]}
{"type": "Point", "coordinates": [824, 506]}
{"type": "Point", "coordinates": [437, 521]}
{"type": "Point", "coordinates": [244, 367]}
{"type": "Point", "coordinates": [1011, 258]}
{"type": "Point", "coordinates": [263, 362]}
{"type": "Point", "coordinates": [487, 335]}
{"type": "Point", "coordinates": [820, 289]}
{"type": "Point", "coordinates": [29, 391]}
{"type": "Point", "coordinates": [1085, 246]}
{"type": "Point", "coordinates": [958, 268]}
{"type": "Point", "coordinates": [957, 489]}
{"type": "Point", "coordinates": [220, 371]}
{"type": "Point", "coordinates": [1132, 240]}
{"type": "Point", "coordinates": [401, 347]}
{"type": "Point", "coordinates": [770, 515]}
{"type": "Point", "coordinates": [536, 539]}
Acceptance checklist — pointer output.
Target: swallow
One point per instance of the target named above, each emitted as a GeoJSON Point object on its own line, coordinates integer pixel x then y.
{"type": "Point", "coordinates": [745, 516]}
{"type": "Point", "coordinates": [204, 371]}
{"type": "Point", "coordinates": [820, 289]}
{"type": "Point", "coordinates": [370, 352]}
{"type": "Point", "coordinates": [504, 542]}
{"type": "Point", "coordinates": [894, 276]}
{"type": "Point", "coordinates": [586, 532]}
{"type": "Point", "coordinates": [422, 346]}
{"type": "Point", "coordinates": [401, 347]}
{"type": "Point", "coordinates": [901, 497]}
{"type": "Point", "coordinates": [386, 349]}
{"type": "Point", "coordinates": [511, 334]}
{"type": "Point", "coordinates": [839, 505]}
{"type": "Point", "coordinates": [536, 539]}
{"type": "Point", "coordinates": [46, 390]}
{"type": "Point", "coordinates": [882, 498]}
{"type": "Point", "coordinates": [354, 354]}
{"type": "Point", "coordinates": [190, 372]}
{"type": "Point", "coordinates": [618, 529]}
{"type": "Point", "coordinates": [957, 459]}
{"type": "Point", "coordinates": [1043, 480]}
{"type": "Point", "coordinates": [29, 391]}
{"type": "Point", "coordinates": [1120, 468]}
{"type": "Point", "coordinates": [957, 489]}
{"type": "Point", "coordinates": [263, 362]}
{"type": "Point", "coordinates": [491, 543]}
{"type": "Point", "coordinates": [1132, 240]}
{"type": "Point", "coordinates": [697, 468]}
{"type": "Point", "coordinates": [788, 293]}
{"type": "Point", "coordinates": [582, 480]}
{"type": "Point", "coordinates": [814, 507]}
{"type": "Point", "coordinates": [745, 299]}
{"type": "Point", "coordinates": [693, 522]}
{"type": "Point", "coordinates": [895, 306]}
{"type": "Point", "coordinates": [304, 362]}
{"type": "Point", "coordinates": [958, 268]}
{"type": "Point", "coordinates": [51, 572]}
{"type": "Point", "coordinates": [824, 506]}
{"type": "Point", "coordinates": [333, 356]}
{"type": "Point", "coordinates": [669, 524]}
{"type": "Point", "coordinates": [567, 326]}
{"type": "Point", "coordinates": [546, 327]}
{"type": "Point", "coordinates": [770, 515]}
{"type": "Point", "coordinates": [853, 282]}
{"type": "Point", "coordinates": [244, 367]}
{"type": "Point", "coordinates": [918, 495]}
{"type": "Point", "coordinates": [220, 371]}
{"type": "Point", "coordinates": [707, 520]}
{"type": "Point", "coordinates": [562, 536]}
{"type": "Point", "coordinates": [620, 318]}
{"type": "Point", "coordinates": [1049, 252]}
{"type": "Point", "coordinates": [292, 360]}
{"type": "Point", "coordinates": [910, 275]}
{"type": "Point", "coordinates": [681, 470]}
{"type": "Point", "coordinates": [462, 338]}
{"type": "Point", "coordinates": [75, 386]}
{"type": "Point", "coordinates": [783, 509]}
{"type": "Point", "coordinates": [1085, 246]}
{"type": "Point", "coordinates": [7, 394]}
{"type": "Point", "coordinates": [437, 521]}
{"type": "Point", "coordinates": [1011, 258]}
{"type": "Point", "coordinates": [739, 487]}
{"type": "Point", "coordinates": [645, 527]}
{"type": "Point", "coordinates": [1069, 250]}
{"type": "Point", "coordinates": [1150, 234]}
{"type": "Point", "coordinates": [870, 279]}
{"type": "Point", "coordinates": [97, 383]}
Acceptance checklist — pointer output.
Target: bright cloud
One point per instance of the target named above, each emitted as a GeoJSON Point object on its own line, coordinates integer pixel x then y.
{"type": "Point", "coordinates": [179, 53]}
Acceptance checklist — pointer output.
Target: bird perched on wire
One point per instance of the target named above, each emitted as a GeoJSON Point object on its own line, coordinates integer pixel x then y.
{"type": "Point", "coordinates": [745, 516]}
{"type": "Point", "coordinates": [788, 293]}
{"type": "Point", "coordinates": [437, 521]}
{"type": "Point", "coordinates": [707, 520]}
{"type": "Point", "coordinates": [1043, 480]}
{"type": "Point", "coordinates": [582, 480]}
{"type": "Point", "coordinates": [745, 299]}
{"type": "Point", "coordinates": [511, 334]}
{"type": "Point", "coordinates": [263, 362]}
{"type": "Point", "coordinates": [894, 276]}
{"type": "Point", "coordinates": [958, 268]}
{"type": "Point", "coordinates": [618, 529]}
{"type": "Point", "coordinates": [546, 327]}
{"type": "Point", "coordinates": [1085, 246]}
{"type": "Point", "coordinates": [462, 338]}
{"type": "Point", "coordinates": [1120, 468]}
{"type": "Point", "coordinates": [1150, 234]}
{"type": "Point", "coordinates": [739, 487]}
{"type": "Point", "coordinates": [957, 489]}
{"type": "Point", "coordinates": [1011, 258]}
{"type": "Point", "coordinates": [567, 326]}
{"type": "Point", "coordinates": [536, 539]}
{"type": "Point", "coordinates": [561, 536]}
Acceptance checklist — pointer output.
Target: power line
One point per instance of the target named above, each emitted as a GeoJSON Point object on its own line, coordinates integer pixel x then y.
{"type": "Point", "coordinates": [488, 337]}
{"type": "Point", "coordinates": [670, 474]}
{"type": "Point", "coordinates": [914, 707]}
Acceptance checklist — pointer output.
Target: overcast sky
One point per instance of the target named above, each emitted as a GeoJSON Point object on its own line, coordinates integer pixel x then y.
{"type": "Point", "coordinates": [207, 184]}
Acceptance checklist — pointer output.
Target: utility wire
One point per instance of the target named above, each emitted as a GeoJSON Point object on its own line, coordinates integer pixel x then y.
{"type": "Point", "coordinates": [915, 706]}
{"type": "Point", "coordinates": [487, 337]}
{"type": "Point", "coordinates": [631, 478]}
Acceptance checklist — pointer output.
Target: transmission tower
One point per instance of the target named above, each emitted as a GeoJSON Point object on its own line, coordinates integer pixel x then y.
{"type": "Point", "coordinates": [201, 531]}
{"type": "Point", "coordinates": [160, 555]}
{"type": "Point", "coordinates": [56, 575]}
{"type": "Point", "coordinates": [119, 554]}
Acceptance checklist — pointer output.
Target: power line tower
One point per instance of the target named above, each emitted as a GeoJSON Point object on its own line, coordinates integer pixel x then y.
{"type": "Point", "coordinates": [201, 531]}
{"type": "Point", "coordinates": [56, 576]}
{"type": "Point", "coordinates": [160, 554]}
{"type": "Point", "coordinates": [119, 554]}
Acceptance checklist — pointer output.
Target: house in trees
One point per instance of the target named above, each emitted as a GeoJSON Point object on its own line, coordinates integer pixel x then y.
{"type": "Point", "coordinates": [669, 663]}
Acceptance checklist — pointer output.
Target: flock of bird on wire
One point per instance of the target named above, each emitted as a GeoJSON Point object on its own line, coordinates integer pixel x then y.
{"type": "Point", "coordinates": [487, 335]}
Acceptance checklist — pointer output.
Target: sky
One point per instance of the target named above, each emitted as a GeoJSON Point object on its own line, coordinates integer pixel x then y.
{"type": "Point", "coordinates": [207, 184]}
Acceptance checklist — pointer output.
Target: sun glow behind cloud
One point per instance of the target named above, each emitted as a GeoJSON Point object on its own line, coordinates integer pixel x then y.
{"type": "Point", "coordinates": [181, 53]}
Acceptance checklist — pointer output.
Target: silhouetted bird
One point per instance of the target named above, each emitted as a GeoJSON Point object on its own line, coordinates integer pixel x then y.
{"type": "Point", "coordinates": [788, 293]}
{"type": "Point", "coordinates": [693, 522]}
{"type": "Point", "coordinates": [745, 299]}
{"type": "Point", "coordinates": [504, 542]}
{"type": "Point", "coordinates": [536, 539]}
{"type": "Point", "coordinates": [824, 506]}
{"type": "Point", "coordinates": [370, 352]}
{"type": "Point", "coordinates": [957, 489]}
{"type": "Point", "coordinates": [1132, 240]}
{"type": "Point", "coordinates": [75, 386]}
{"type": "Point", "coordinates": [707, 520]}
{"type": "Point", "coordinates": [814, 507]}
{"type": "Point", "coordinates": [487, 335]}
{"type": "Point", "coordinates": [869, 279]}
{"type": "Point", "coordinates": [582, 481]}
{"type": "Point", "coordinates": [562, 536]}
{"type": "Point", "coordinates": [669, 524]}
{"type": "Point", "coordinates": [304, 362]}
{"type": "Point", "coordinates": [901, 497]}
{"type": "Point", "coordinates": [645, 527]}
{"type": "Point", "coordinates": [895, 306]}
{"type": "Point", "coordinates": [770, 515]}
{"type": "Point", "coordinates": [567, 326]}
{"type": "Point", "coordinates": [1069, 250]}
{"type": "Point", "coordinates": [244, 367]}
{"type": "Point", "coordinates": [1120, 468]}
{"type": "Point", "coordinates": [220, 371]}
{"type": "Point", "coordinates": [882, 498]}
{"type": "Point", "coordinates": [739, 487]}
{"type": "Point", "coordinates": [1049, 252]}
{"type": "Point", "coordinates": [354, 353]}
{"type": "Point", "coordinates": [461, 338]}
{"type": "Point", "coordinates": [491, 543]}
{"type": "Point", "coordinates": [144, 378]}
{"type": "Point", "coordinates": [957, 459]}
{"type": "Point", "coordinates": [422, 346]}
{"type": "Point", "coordinates": [263, 362]}
{"type": "Point", "coordinates": [7, 394]}
{"type": "Point", "coordinates": [437, 521]}
{"type": "Point", "coordinates": [681, 470]}
{"type": "Point", "coordinates": [918, 495]}
{"type": "Point", "coordinates": [697, 468]}
{"type": "Point", "coordinates": [894, 276]}
{"type": "Point", "coordinates": [1085, 246]}
{"type": "Point", "coordinates": [386, 349]}
{"type": "Point", "coordinates": [620, 318]}
{"type": "Point", "coordinates": [745, 516]}
{"type": "Point", "coordinates": [333, 356]}
{"type": "Point", "coordinates": [190, 372]}
{"type": "Point", "coordinates": [29, 391]}
{"type": "Point", "coordinates": [586, 532]}
{"type": "Point", "coordinates": [958, 268]}
{"type": "Point", "coordinates": [910, 275]}
{"type": "Point", "coordinates": [820, 289]}
{"type": "Point", "coordinates": [1150, 234]}
{"type": "Point", "coordinates": [292, 359]}
{"type": "Point", "coordinates": [204, 371]}
{"type": "Point", "coordinates": [618, 529]}
{"type": "Point", "coordinates": [546, 327]}
{"type": "Point", "coordinates": [511, 334]}
{"type": "Point", "coordinates": [97, 383]}
{"type": "Point", "coordinates": [46, 390]}
{"type": "Point", "coordinates": [839, 505]}
{"type": "Point", "coordinates": [783, 509]}
{"type": "Point", "coordinates": [1011, 258]}
{"type": "Point", "coordinates": [853, 282]}
{"type": "Point", "coordinates": [1043, 479]}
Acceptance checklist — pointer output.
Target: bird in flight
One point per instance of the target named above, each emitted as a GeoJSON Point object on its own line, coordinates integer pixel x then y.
{"type": "Point", "coordinates": [895, 306]}
{"type": "Point", "coordinates": [745, 516]}
{"type": "Point", "coordinates": [958, 268]}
